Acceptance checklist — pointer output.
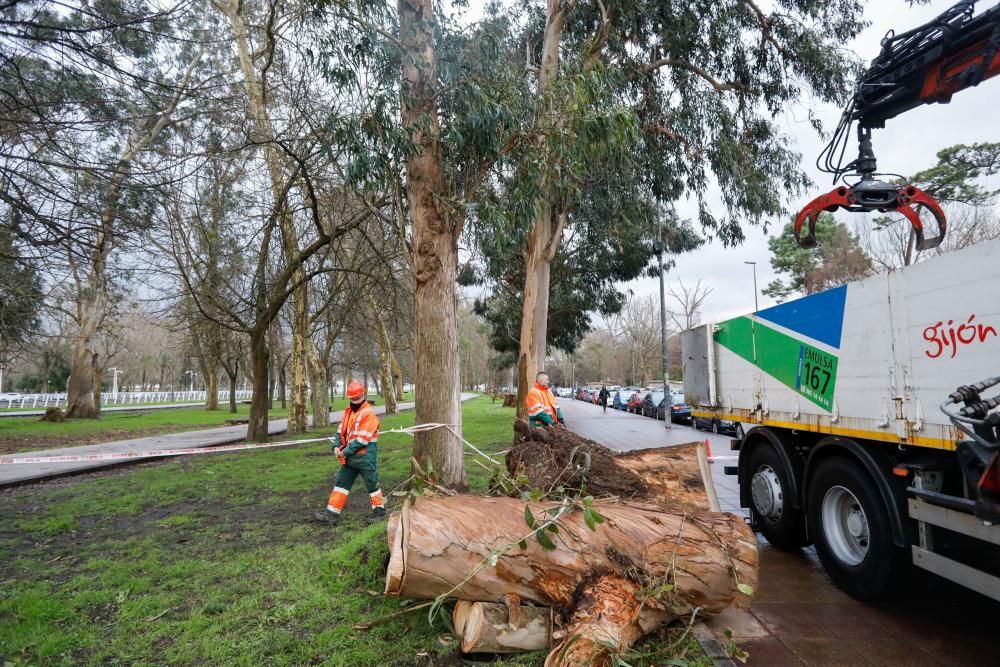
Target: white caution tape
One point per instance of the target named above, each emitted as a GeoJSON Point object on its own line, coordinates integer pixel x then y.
{"type": "Point", "coordinates": [160, 453]}
{"type": "Point", "coordinates": [153, 453]}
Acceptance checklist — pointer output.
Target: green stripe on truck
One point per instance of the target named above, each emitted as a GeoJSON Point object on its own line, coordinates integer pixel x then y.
{"type": "Point", "coordinates": [792, 362]}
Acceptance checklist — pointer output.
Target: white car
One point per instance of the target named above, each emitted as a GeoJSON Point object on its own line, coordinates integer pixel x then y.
{"type": "Point", "coordinates": [564, 392]}
{"type": "Point", "coordinates": [11, 396]}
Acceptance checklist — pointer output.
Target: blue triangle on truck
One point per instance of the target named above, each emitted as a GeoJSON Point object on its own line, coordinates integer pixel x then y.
{"type": "Point", "coordinates": [819, 316]}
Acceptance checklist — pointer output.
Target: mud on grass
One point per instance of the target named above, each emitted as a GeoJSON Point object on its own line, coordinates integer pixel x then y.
{"type": "Point", "coordinates": [214, 560]}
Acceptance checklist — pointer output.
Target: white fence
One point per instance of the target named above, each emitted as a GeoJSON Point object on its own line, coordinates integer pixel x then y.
{"type": "Point", "coordinates": [108, 399]}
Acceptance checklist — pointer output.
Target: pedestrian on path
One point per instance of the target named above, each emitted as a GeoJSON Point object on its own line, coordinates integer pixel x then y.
{"type": "Point", "coordinates": [603, 397]}
{"type": "Point", "coordinates": [543, 408]}
{"type": "Point", "coordinates": [355, 445]}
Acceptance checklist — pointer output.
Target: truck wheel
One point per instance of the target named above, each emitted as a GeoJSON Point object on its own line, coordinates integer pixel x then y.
{"type": "Point", "coordinates": [850, 528]}
{"type": "Point", "coordinates": [771, 500]}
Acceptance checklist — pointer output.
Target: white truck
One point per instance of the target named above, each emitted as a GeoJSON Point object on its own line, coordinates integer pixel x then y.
{"type": "Point", "coordinates": [839, 396]}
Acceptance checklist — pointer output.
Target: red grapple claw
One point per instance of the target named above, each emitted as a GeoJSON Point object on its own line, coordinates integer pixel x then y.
{"type": "Point", "coordinates": [910, 196]}
{"type": "Point", "coordinates": [831, 201]}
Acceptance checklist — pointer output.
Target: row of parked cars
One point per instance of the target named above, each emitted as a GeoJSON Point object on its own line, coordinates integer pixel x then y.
{"type": "Point", "coordinates": [641, 401]}
{"type": "Point", "coordinates": [653, 403]}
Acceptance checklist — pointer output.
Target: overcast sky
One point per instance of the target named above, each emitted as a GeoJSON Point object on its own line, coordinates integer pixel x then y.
{"type": "Point", "coordinates": [907, 144]}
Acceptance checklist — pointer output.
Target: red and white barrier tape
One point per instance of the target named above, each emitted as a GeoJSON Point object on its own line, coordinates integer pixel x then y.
{"type": "Point", "coordinates": [159, 453]}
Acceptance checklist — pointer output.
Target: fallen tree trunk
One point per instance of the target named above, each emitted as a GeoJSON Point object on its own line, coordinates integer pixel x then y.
{"type": "Point", "coordinates": [488, 627]}
{"type": "Point", "coordinates": [640, 568]}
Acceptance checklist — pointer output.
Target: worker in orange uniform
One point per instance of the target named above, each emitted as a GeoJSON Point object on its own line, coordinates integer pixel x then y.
{"type": "Point", "coordinates": [543, 408]}
{"type": "Point", "coordinates": [355, 445]}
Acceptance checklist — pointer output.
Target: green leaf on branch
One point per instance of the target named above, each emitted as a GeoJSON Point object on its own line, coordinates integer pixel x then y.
{"type": "Point", "coordinates": [746, 589]}
{"type": "Point", "coordinates": [529, 518]}
{"type": "Point", "coordinates": [544, 540]}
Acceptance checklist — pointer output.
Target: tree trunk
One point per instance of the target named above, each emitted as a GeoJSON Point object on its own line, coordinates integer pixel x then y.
{"type": "Point", "coordinates": [318, 380]}
{"type": "Point", "coordinates": [254, 85]}
{"type": "Point", "coordinates": [80, 390]}
{"type": "Point", "coordinates": [96, 375]}
{"type": "Point", "coordinates": [384, 356]}
{"type": "Point", "coordinates": [435, 242]}
{"type": "Point", "coordinates": [397, 376]}
{"type": "Point", "coordinates": [211, 386]}
{"type": "Point", "coordinates": [272, 382]}
{"type": "Point", "coordinates": [543, 240]}
{"type": "Point", "coordinates": [260, 398]}
{"type": "Point", "coordinates": [643, 566]}
{"type": "Point", "coordinates": [232, 389]}
{"type": "Point", "coordinates": [282, 386]}
{"type": "Point", "coordinates": [488, 627]}
{"type": "Point", "coordinates": [527, 359]}
{"type": "Point", "coordinates": [298, 414]}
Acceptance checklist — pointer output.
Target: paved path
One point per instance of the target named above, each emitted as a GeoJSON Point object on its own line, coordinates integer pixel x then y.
{"type": "Point", "coordinates": [799, 618]}
{"type": "Point", "coordinates": [118, 408]}
{"type": "Point", "coordinates": [11, 475]}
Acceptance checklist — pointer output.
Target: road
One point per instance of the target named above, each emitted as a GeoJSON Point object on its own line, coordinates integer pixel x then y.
{"type": "Point", "coordinates": [798, 616]}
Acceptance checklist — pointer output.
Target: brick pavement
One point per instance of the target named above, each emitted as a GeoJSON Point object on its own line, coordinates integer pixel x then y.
{"type": "Point", "coordinates": [799, 618]}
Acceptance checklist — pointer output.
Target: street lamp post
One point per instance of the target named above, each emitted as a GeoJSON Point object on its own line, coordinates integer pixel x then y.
{"type": "Point", "coordinates": [754, 265]}
{"type": "Point", "coordinates": [753, 321]}
{"type": "Point", "coordinates": [114, 382]}
{"type": "Point", "coordinates": [663, 322]}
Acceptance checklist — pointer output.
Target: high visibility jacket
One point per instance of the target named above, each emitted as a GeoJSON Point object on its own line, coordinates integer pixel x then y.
{"type": "Point", "coordinates": [541, 401]}
{"type": "Point", "coordinates": [359, 430]}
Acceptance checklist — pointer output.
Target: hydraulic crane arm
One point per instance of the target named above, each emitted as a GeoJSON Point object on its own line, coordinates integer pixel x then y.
{"type": "Point", "coordinates": [927, 65]}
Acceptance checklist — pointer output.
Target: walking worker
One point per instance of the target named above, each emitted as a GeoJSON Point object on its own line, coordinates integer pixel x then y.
{"type": "Point", "coordinates": [603, 397]}
{"type": "Point", "coordinates": [355, 445]}
{"type": "Point", "coordinates": [543, 408]}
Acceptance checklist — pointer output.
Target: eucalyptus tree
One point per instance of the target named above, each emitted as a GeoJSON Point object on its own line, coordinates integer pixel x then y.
{"type": "Point", "coordinates": [702, 82]}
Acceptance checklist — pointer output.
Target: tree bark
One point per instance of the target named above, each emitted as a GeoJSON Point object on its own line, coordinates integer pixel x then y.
{"type": "Point", "coordinates": [232, 389]}
{"type": "Point", "coordinates": [318, 380]}
{"type": "Point", "coordinates": [397, 376]}
{"type": "Point", "coordinates": [261, 396]}
{"type": "Point", "coordinates": [384, 356]}
{"type": "Point", "coordinates": [211, 386]}
{"type": "Point", "coordinates": [435, 239]}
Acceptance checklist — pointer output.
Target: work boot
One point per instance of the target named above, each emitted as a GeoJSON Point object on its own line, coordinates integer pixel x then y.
{"type": "Point", "coordinates": [377, 514]}
{"type": "Point", "coordinates": [326, 516]}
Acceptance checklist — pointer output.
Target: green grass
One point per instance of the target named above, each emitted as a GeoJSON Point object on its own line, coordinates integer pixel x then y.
{"type": "Point", "coordinates": [28, 433]}
{"type": "Point", "coordinates": [212, 560]}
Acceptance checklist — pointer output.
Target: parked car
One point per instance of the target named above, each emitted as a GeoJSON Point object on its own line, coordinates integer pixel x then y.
{"type": "Point", "coordinates": [563, 392]}
{"type": "Point", "coordinates": [651, 404]}
{"type": "Point", "coordinates": [11, 396]}
{"type": "Point", "coordinates": [679, 410]}
{"type": "Point", "coordinates": [620, 398]}
{"type": "Point", "coordinates": [716, 425]}
{"type": "Point", "coordinates": [635, 403]}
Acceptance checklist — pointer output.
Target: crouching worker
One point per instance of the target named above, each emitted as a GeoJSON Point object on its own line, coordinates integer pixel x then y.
{"type": "Point", "coordinates": [355, 445]}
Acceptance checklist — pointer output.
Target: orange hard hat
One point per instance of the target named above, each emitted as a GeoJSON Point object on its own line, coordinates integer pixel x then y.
{"type": "Point", "coordinates": [355, 390]}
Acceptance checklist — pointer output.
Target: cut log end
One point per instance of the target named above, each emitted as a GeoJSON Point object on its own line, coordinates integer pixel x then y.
{"type": "Point", "coordinates": [488, 627]}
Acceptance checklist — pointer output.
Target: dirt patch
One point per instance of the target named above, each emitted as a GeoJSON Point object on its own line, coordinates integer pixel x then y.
{"type": "Point", "coordinates": [554, 458]}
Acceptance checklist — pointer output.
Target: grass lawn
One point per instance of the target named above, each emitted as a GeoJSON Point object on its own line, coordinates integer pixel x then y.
{"type": "Point", "coordinates": [25, 434]}
{"type": "Point", "coordinates": [213, 560]}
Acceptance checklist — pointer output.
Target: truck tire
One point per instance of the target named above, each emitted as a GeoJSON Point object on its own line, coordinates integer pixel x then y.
{"type": "Point", "coordinates": [771, 499]}
{"type": "Point", "coordinates": [849, 524]}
